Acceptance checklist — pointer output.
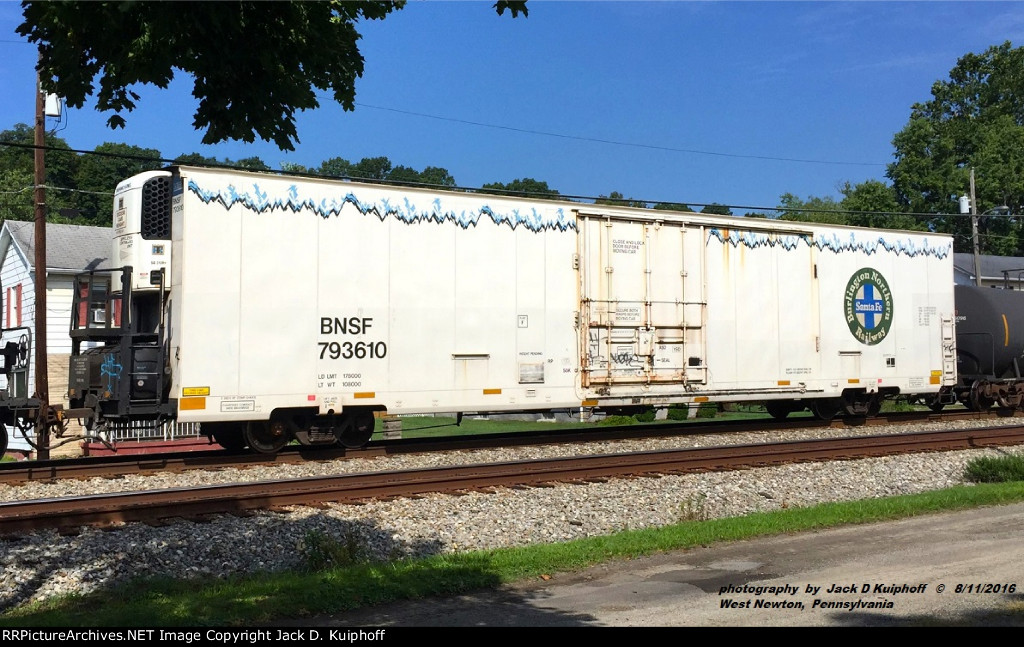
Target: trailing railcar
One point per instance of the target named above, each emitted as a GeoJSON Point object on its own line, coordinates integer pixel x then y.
{"type": "Point", "coordinates": [990, 347]}
{"type": "Point", "coordinates": [270, 308]}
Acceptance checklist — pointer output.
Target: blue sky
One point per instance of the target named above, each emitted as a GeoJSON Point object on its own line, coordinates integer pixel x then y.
{"type": "Point", "coordinates": [696, 102]}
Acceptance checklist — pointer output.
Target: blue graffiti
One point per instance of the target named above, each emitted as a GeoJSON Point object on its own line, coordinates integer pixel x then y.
{"type": "Point", "coordinates": [111, 369]}
{"type": "Point", "coordinates": [906, 245]}
{"type": "Point", "coordinates": [403, 209]}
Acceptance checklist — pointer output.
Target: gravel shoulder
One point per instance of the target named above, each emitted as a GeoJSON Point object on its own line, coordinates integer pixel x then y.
{"type": "Point", "coordinates": [45, 564]}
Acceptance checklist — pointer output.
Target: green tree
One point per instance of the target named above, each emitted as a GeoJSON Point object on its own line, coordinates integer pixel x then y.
{"type": "Point", "coordinates": [293, 167]}
{"type": "Point", "coordinates": [879, 207]}
{"type": "Point", "coordinates": [196, 159]}
{"type": "Point", "coordinates": [98, 175]}
{"type": "Point", "coordinates": [252, 163]}
{"type": "Point", "coordinates": [404, 175]}
{"type": "Point", "coordinates": [371, 168]}
{"type": "Point", "coordinates": [672, 206]}
{"type": "Point", "coordinates": [527, 187]}
{"type": "Point", "coordinates": [974, 120]}
{"type": "Point", "coordinates": [432, 176]}
{"type": "Point", "coordinates": [617, 199]}
{"type": "Point", "coordinates": [254, 64]}
{"type": "Point", "coordinates": [717, 209]}
{"type": "Point", "coordinates": [16, 185]}
{"type": "Point", "coordinates": [437, 176]}
{"type": "Point", "coordinates": [335, 167]}
{"type": "Point", "coordinates": [17, 171]}
{"type": "Point", "coordinates": [823, 210]}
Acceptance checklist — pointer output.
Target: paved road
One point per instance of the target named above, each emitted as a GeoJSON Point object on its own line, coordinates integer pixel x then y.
{"type": "Point", "coordinates": [892, 573]}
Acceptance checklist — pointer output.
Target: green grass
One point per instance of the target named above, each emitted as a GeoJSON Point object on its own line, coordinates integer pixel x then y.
{"type": "Point", "coordinates": [442, 426]}
{"type": "Point", "coordinates": [339, 579]}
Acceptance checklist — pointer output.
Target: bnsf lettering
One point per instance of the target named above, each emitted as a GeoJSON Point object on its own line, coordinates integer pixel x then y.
{"type": "Point", "coordinates": [349, 349]}
{"type": "Point", "coordinates": [345, 326]}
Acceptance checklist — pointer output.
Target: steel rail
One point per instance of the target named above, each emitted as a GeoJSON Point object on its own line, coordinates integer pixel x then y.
{"type": "Point", "coordinates": [114, 466]}
{"type": "Point", "coordinates": [152, 506]}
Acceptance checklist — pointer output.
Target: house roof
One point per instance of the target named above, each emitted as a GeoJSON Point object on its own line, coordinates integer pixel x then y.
{"type": "Point", "coordinates": [68, 247]}
{"type": "Point", "coordinates": [992, 267]}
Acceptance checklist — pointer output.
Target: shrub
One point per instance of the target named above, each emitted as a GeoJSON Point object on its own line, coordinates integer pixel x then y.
{"type": "Point", "coordinates": [322, 552]}
{"type": "Point", "coordinates": [707, 410]}
{"type": "Point", "coordinates": [995, 469]}
{"type": "Point", "coordinates": [647, 415]}
{"type": "Point", "coordinates": [678, 412]}
{"type": "Point", "coordinates": [617, 420]}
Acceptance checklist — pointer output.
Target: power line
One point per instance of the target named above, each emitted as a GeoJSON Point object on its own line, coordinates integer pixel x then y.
{"type": "Point", "coordinates": [583, 199]}
{"type": "Point", "coordinates": [613, 142]}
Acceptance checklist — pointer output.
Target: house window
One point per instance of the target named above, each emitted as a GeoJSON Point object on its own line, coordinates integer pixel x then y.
{"type": "Point", "coordinates": [13, 309]}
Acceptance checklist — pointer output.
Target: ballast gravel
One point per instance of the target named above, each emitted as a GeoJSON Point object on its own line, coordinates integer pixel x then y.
{"type": "Point", "coordinates": [46, 564]}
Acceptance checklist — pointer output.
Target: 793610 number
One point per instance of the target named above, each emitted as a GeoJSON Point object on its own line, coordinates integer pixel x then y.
{"type": "Point", "coordinates": [353, 350]}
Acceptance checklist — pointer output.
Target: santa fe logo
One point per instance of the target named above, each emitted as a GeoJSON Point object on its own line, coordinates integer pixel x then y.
{"type": "Point", "coordinates": [868, 309]}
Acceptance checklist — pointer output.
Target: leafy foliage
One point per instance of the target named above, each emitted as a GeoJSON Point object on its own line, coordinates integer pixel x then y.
{"type": "Point", "coordinates": [98, 175]}
{"type": "Point", "coordinates": [528, 187]}
{"type": "Point", "coordinates": [617, 199]}
{"type": "Point", "coordinates": [254, 64]}
{"type": "Point", "coordinates": [17, 173]}
{"type": "Point", "coordinates": [717, 209]}
{"type": "Point", "coordinates": [672, 206]}
{"type": "Point", "coordinates": [381, 168]}
{"type": "Point", "coordinates": [879, 206]}
{"type": "Point", "coordinates": [974, 120]}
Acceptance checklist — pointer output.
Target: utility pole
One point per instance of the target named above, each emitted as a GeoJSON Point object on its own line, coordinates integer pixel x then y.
{"type": "Point", "coordinates": [974, 234]}
{"type": "Point", "coordinates": [42, 386]}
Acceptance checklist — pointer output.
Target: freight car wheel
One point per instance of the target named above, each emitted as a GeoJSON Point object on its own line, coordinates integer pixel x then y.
{"type": "Point", "coordinates": [980, 399]}
{"type": "Point", "coordinates": [1009, 401]}
{"type": "Point", "coordinates": [825, 408]}
{"type": "Point", "coordinates": [266, 437]}
{"type": "Point", "coordinates": [3, 440]}
{"type": "Point", "coordinates": [229, 436]}
{"type": "Point", "coordinates": [357, 430]}
{"type": "Point", "coordinates": [778, 409]}
{"type": "Point", "coordinates": [874, 406]}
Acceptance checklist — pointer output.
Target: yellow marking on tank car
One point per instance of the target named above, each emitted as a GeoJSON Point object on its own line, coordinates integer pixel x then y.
{"type": "Point", "coordinates": [190, 391]}
{"type": "Point", "coordinates": [1006, 332]}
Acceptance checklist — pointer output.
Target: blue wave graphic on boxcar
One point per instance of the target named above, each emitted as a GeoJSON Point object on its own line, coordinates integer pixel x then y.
{"type": "Point", "coordinates": [402, 209]}
{"type": "Point", "coordinates": [832, 242]}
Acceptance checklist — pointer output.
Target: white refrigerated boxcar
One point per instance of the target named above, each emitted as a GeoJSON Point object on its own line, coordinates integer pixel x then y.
{"type": "Point", "coordinates": [298, 307]}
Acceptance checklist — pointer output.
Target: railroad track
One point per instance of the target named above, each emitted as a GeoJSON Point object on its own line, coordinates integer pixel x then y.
{"type": "Point", "coordinates": [163, 506]}
{"type": "Point", "coordinates": [116, 466]}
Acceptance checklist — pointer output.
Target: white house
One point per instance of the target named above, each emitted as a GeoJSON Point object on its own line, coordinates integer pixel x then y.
{"type": "Point", "coordinates": [70, 249]}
